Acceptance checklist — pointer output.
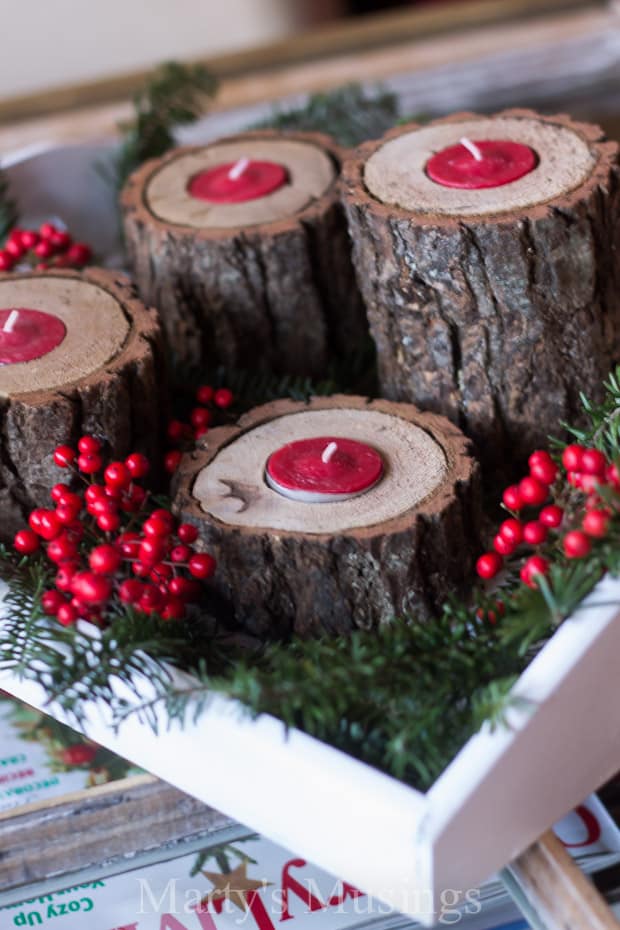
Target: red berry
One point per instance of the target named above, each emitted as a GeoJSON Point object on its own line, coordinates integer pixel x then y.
{"type": "Point", "coordinates": [42, 266]}
{"type": "Point", "coordinates": [140, 569]}
{"type": "Point", "coordinates": [47, 230]}
{"type": "Point", "coordinates": [166, 515]}
{"type": "Point", "coordinates": [572, 457]}
{"type": "Point", "coordinates": [534, 533]}
{"type": "Point", "coordinates": [88, 445]}
{"type": "Point", "coordinates": [202, 565]}
{"type": "Point", "coordinates": [130, 591]}
{"type": "Point", "coordinates": [576, 545]}
{"type": "Point", "coordinates": [181, 554]}
{"type": "Point", "coordinates": [94, 492]}
{"type": "Point", "coordinates": [534, 566]}
{"type": "Point", "coordinates": [512, 530]}
{"type": "Point", "coordinates": [67, 614]}
{"type": "Point", "coordinates": [161, 573]}
{"type": "Point", "coordinates": [60, 239]}
{"type": "Point", "coordinates": [613, 476]}
{"type": "Point", "coordinates": [6, 260]}
{"type": "Point", "coordinates": [44, 249]}
{"type": "Point", "coordinates": [200, 431]}
{"type": "Point", "coordinates": [200, 416]}
{"type": "Point", "coordinates": [187, 533]}
{"type": "Point", "coordinates": [105, 559]}
{"type": "Point", "coordinates": [155, 526]}
{"type": "Point", "coordinates": [596, 522]}
{"type": "Point", "coordinates": [172, 460]}
{"type": "Point", "coordinates": [533, 491]}
{"type": "Point", "coordinates": [205, 394]}
{"type": "Point", "coordinates": [117, 475]}
{"type": "Point", "coordinates": [593, 462]}
{"type": "Point", "coordinates": [223, 398]}
{"type": "Point", "coordinates": [152, 549]}
{"type": "Point", "coordinates": [504, 546]}
{"type": "Point", "coordinates": [108, 522]}
{"type": "Point", "coordinates": [67, 513]}
{"type": "Point", "coordinates": [512, 498]}
{"type": "Point", "coordinates": [26, 542]}
{"type": "Point", "coordinates": [574, 478]}
{"type": "Point", "coordinates": [542, 467]}
{"type": "Point", "coordinates": [151, 599]}
{"type": "Point", "coordinates": [137, 465]}
{"type": "Point", "coordinates": [174, 609]}
{"type": "Point", "coordinates": [102, 505]}
{"type": "Point", "coordinates": [91, 588]}
{"type": "Point", "coordinates": [62, 549]}
{"type": "Point", "coordinates": [89, 464]}
{"type": "Point", "coordinates": [488, 565]}
{"type": "Point", "coordinates": [64, 456]}
{"type": "Point", "coordinates": [133, 499]}
{"type": "Point", "coordinates": [129, 544]}
{"type": "Point", "coordinates": [65, 574]}
{"type": "Point", "coordinates": [176, 430]}
{"type": "Point", "coordinates": [58, 492]}
{"type": "Point", "coordinates": [185, 588]}
{"type": "Point", "coordinates": [551, 515]}
{"type": "Point", "coordinates": [80, 253]}
{"type": "Point", "coordinates": [589, 483]}
{"type": "Point", "coordinates": [49, 525]}
{"type": "Point", "coordinates": [51, 602]}
{"type": "Point", "coordinates": [15, 248]}
{"type": "Point", "coordinates": [29, 238]}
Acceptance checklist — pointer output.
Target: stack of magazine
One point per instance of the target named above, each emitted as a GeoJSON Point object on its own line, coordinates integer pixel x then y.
{"type": "Point", "coordinates": [250, 883]}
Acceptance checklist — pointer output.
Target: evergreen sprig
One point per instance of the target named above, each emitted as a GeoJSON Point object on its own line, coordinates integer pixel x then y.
{"type": "Point", "coordinates": [350, 114]}
{"type": "Point", "coordinates": [176, 95]}
{"type": "Point", "coordinates": [8, 208]}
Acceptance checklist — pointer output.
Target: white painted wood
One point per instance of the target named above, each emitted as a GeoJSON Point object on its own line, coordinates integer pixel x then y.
{"type": "Point", "coordinates": [406, 848]}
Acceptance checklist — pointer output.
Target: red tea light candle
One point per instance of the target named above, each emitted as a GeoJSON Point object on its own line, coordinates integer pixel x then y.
{"type": "Point", "coordinates": [28, 334]}
{"type": "Point", "coordinates": [324, 470]}
{"type": "Point", "coordinates": [481, 164]}
{"type": "Point", "coordinates": [237, 182]}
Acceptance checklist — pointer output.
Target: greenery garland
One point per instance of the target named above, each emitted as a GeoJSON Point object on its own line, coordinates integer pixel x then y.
{"type": "Point", "coordinates": [404, 698]}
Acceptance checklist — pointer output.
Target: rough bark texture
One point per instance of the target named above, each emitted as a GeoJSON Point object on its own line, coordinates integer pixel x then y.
{"type": "Point", "coordinates": [123, 403]}
{"type": "Point", "coordinates": [279, 582]}
{"type": "Point", "coordinates": [277, 296]}
{"type": "Point", "coordinates": [496, 321]}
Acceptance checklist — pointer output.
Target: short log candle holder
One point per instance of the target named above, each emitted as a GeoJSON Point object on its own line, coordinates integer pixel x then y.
{"type": "Point", "coordinates": [298, 565]}
{"type": "Point", "coordinates": [242, 245]}
{"type": "Point", "coordinates": [78, 354]}
{"type": "Point", "coordinates": [487, 253]}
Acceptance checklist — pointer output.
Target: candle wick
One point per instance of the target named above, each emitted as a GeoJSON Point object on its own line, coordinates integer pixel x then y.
{"type": "Point", "coordinates": [328, 452]}
{"type": "Point", "coordinates": [238, 169]}
{"type": "Point", "coordinates": [471, 147]}
{"type": "Point", "coordinates": [11, 320]}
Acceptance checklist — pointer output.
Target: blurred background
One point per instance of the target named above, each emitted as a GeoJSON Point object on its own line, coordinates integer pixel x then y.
{"type": "Point", "coordinates": [48, 45]}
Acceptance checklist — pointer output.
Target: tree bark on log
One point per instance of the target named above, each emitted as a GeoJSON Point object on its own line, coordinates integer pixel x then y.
{"type": "Point", "coordinates": [288, 567]}
{"type": "Point", "coordinates": [499, 319]}
{"type": "Point", "coordinates": [122, 402]}
{"type": "Point", "coordinates": [275, 295]}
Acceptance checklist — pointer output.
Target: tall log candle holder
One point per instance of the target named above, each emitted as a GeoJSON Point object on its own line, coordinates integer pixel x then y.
{"type": "Point", "coordinates": [495, 306]}
{"type": "Point", "coordinates": [290, 565]}
{"type": "Point", "coordinates": [78, 354]}
{"type": "Point", "coordinates": [258, 275]}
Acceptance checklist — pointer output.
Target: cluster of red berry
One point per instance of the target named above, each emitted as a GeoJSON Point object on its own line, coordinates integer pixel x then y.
{"type": "Point", "coordinates": [586, 470]}
{"type": "Point", "coordinates": [182, 435]}
{"type": "Point", "coordinates": [47, 247]}
{"type": "Point", "coordinates": [78, 754]}
{"type": "Point", "coordinates": [109, 546]}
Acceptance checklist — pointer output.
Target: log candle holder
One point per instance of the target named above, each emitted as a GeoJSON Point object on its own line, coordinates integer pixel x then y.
{"type": "Point", "coordinates": [492, 302]}
{"type": "Point", "coordinates": [291, 566]}
{"type": "Point", "coordinates": [95, 365]}
{"type": "Point", "coordinates": [259, 283]}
